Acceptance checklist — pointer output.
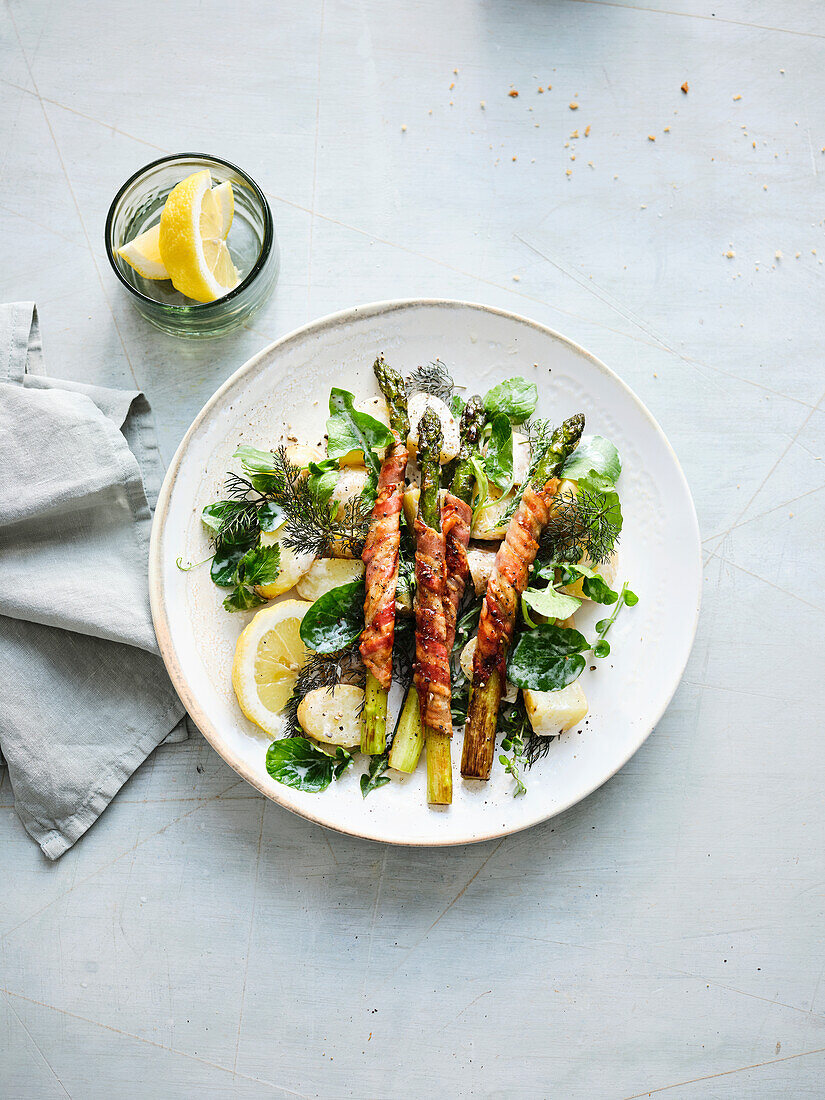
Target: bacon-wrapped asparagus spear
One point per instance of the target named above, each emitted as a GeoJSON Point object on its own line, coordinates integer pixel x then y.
{"type": "Point", "coordinates": [455, 524]}
{"type": "Point", "coordinates": [381, 559]}
{"type": "Point", "coordinates": [498, 613]}
{"type": "Point", "coordinates": [432, 660]}
{"type": "Point", "coordinates": [456, 514]}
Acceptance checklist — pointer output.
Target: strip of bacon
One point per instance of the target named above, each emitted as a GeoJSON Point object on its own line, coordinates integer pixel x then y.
{"type": "Point", "coordinates": [508, 580]}
{"type": "Point", "coordinates": [456, 518]}
{"type": "Point", "coordinates": [381, 559]}
{"type": "Point", "coordinates": [432, 666]}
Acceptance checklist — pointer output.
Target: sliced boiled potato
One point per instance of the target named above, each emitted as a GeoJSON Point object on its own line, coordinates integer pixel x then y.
{"type": "Point", "coordinates": [351, 483]}
{"type": "Point", "coordinates": [552, 712]}
{"type": "Point", "coordinates": [333, 717]}
{"type": "Point", "coordinates": [521, 458]}
{"type": "Point", "coordinates": [416, 407]}
{"type": "Point", "coordinates": [327, 573]}
{"type": "Point", "coordinates": [481, 564]}
{"type": "Point", "coordinates": [299, 454]}
{"type": "Point", "coordinates": [376, 407]}
{"type": "Point", "coordinates": [410, 503]}
{"type": "Point", "coordinates": [466, 662]}
{"type": "Point", "coordinates": [490, 522]}
{"type": "Point", "coordinates": [605, 569]}
{"type": "Point", "coordinates": [293, 564]}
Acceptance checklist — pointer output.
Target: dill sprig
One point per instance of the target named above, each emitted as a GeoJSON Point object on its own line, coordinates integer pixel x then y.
{"type": "Point", "coordinates": [322, 670]}
{"type": "Point", "coordinates": [582, 523]}
{"type": "Point", "coordinates": [432, 378]}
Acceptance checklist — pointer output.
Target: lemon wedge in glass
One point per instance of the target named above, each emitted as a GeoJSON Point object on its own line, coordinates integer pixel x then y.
{"type": "Point", "coordinates": [268, 657]}
{"type": "Point", "coordinates": [192, 246]}
{"type": "Point", "coordinates": [143, 253]}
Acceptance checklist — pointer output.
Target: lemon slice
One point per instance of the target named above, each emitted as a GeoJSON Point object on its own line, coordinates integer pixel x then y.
{"type": "Point", "coordinates": [268, 657]}
{"type": "Point", "coordinates": [143, 254]}
{"type": "Point", "coordinates": [191, 243]}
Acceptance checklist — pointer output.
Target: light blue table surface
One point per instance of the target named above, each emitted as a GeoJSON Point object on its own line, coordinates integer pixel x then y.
{"type": "Point", "coordinates": [666, 934]}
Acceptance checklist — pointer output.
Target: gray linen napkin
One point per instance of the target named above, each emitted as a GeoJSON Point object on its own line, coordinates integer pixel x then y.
{"type": "Point", "coordinates": [84, 698]}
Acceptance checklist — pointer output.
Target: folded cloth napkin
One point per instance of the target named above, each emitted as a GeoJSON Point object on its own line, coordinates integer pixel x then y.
{"type": "Point", "coordinates": [84, 697]}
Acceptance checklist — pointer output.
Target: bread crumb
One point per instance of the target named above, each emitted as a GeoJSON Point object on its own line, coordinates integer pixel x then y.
{"type": "Point", "coordinates": [483, 104]}
{"type": "Point", "coordinates": [517, 278]}
{"type": "Point", "coordinates": [754, 144]}
{"type": "Point", "coordinates": [651, 137]}
{"type": "Point", "coordinates": [685, 88]}
{"type": "Point", "coordinates": [513, 94]}
{"type": "Point", "coordinates": [796, 255]}
{"type": "Point", "coordinates": [730, 254]}
{"type": "Point", "coordinates": [764, 187]}
{"type": "Point", "coordinates": [782, 70]}
{"type": "Point", "coordinates": [777, 255]}
{"type": "Point", "coordinates": [590, 164]}
{"type": "Point", "coordinates": [514, 158]}
{"type": "Point", "coordinates": [574, 106]}
{"type": "Point", "coordinates": [736, 97]}
{"type": "Point", "coordinates": [541, 90]}
{"type": "Point", "coordinates": [643, 206]}
{"type": "Point", "coordinates": [455, 72]}
{"type": "Point", "coordinates": [572, 156]}
{"type": "Point", "coordinates": [569, 172]}
{"type": "Point", "coordinates": [549, 87]}
{"type": "Point", "coordinates": [452, 86]}
{"type": "Point", "coordinates": [575, 134]}
{"type": "Point", "coordinates": [667, 129]}
{"type": "Point", "coordinates": [403, 128]}
{"type": "Point", "coordinates": [587, 131]}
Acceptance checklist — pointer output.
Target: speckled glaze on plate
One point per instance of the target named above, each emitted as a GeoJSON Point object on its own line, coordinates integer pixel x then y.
{"type": "Point", "coordinates": [284, 391]}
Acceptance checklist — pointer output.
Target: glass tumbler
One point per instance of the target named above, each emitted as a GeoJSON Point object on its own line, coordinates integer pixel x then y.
{"type": "Point", "coordinates": [252, 244]}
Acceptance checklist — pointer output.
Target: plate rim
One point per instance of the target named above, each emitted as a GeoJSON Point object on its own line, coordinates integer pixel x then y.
{"type": "Point", "coordinates": [159, 614]}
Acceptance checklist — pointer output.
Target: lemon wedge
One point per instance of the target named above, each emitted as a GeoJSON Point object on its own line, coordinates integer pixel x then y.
{"type": "Point", "coordinates": [192, 246]}
{"type": "Point", "coordinates": [143, 254]}
{"type": "Point", "coordinates": [268, 657]}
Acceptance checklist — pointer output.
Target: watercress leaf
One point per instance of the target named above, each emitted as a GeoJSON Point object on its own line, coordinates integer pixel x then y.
{"type": "Point", "coordinates": [630, 598]}
{"type": "Point", "coordinates": [374, 777]}
{"type": "Point", "coordinates": [323, 477]}
{"type": "Point", "coordinates": [549, 602]}
{"type": "Point", "coordinates": [242, 599]}
{"type": "Point", "coordinates": [601, 648]}
{"type": "Point", "coordinates": [516, 398]}
{"type": "Point", "coordinates": [348, 429]}
{"type": "Point", "coordinates": [596, 455]}
{"type": "Point", "coordinates": [261, 565]}
{"type": "Point", "coordinates": [214, 516]}
{"type": "Point", "coordinates": [225, 563]}
{"type": "Point", "coordinates": [296, 762]}
{"type": "Point", "coordinates": [598, 590]}
{"type": "Point", "coordinates": [498, 458]}
{"type": "Point", "coordinates": [602, 624]}
{"type": "Point", "coordinates": [270, 516]}
{"type": "Point", "coordinates": [547, 658]}
{"type": "Point", "coordinates": [335, 619]}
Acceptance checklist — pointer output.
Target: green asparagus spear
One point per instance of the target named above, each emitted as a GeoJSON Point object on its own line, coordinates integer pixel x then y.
{"type": "Point", "coordinates": [472, 422]}
{"type": "Point", "coordinates": [430, 438]}
{"type": "Point", "coordinates": [374, 729]}
{"type": "Point", "coordinates": [485, 698]}
{"type": "Point", "coordinates": [409, 737]}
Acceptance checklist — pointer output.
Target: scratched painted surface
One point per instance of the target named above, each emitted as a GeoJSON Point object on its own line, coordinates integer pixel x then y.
{"type": "Point", "coordinates": [665, 935]}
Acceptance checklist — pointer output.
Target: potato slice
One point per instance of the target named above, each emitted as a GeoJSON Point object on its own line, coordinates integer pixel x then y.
{"type": "Point", "coordinates": [552, 712]}
{"type": "Point", "coordinates": [377, 409]}
{"type": "Point", "coordinates": [327, 573]}
{"type": "Point", "coordinates": [333, 717]}
{"type": "Point", "coordinates": [490, 522]}
{"type": "Point", "coordinates": [293, 565]}
{"type": "Point", "coordinates": [299, 454]}
{"type": "Point", "coordinates": [481, 564]}
{"type": "Point", "coordinates": [416, 407]}
{"type": "Point", "coordinates": [351, 483]}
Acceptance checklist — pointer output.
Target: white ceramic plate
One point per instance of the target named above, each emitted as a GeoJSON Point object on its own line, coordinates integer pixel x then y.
{"type": "Point", "coordinates": [285, 389]}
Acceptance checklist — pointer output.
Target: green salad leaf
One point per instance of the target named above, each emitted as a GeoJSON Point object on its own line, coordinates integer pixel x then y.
{"type": "Point", "coordinates": [547, 658]}
{"type": "Point", "coordinates": [323, 477]}
{"type": "Point", "coordinates": [516, 398]}
{"type": "Point", "coordinates": [349, 429]}
{"type": "Point", "coordinates": [260, 565]}
{"type": "Point", "coordinates": [270, 516]}
{"type": "Point", "coordinates": [597, 458]}
{"type": "Point", "coordinates": [498, 458]}
{"type": "Point", "coordinates": [374, 777]}
{"type": "Point", "coordinates": [549, 602]}
{"type": "Point", "coordinates": [243, 599]}
{"type": "Point", "coordinates": [335, 619]}
{"type": "Point", "coordinates": [225, 563]}
{"type": "Point", "coordinates": [298, 763]}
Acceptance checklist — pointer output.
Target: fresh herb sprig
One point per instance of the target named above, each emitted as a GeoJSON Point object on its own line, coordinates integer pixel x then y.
{"type": "Point", "coordinates": [432, 378]}
{"type": "Point", "coordinates": [514, 725]}
{"type": "Point", "coordinates": [627, 598]}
